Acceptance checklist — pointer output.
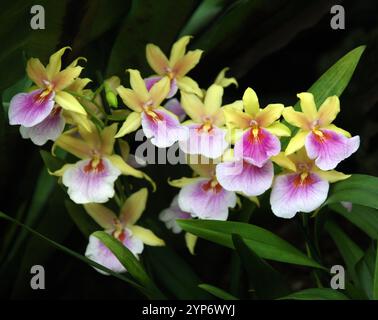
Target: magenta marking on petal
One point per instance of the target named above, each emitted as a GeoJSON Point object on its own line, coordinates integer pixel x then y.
{"type": "Point", "coordinates": [257, 148]}
{"type": "Point", "coordinates": [330, 148]}
{"type": "Point", "coordinates": [174, 106]}
{"type": "Point", "coordinates": [150, 81]}
{"type": "Point", "coordinates": [29, 109]}
{"type": "Point", "coordinates": [173, 89]}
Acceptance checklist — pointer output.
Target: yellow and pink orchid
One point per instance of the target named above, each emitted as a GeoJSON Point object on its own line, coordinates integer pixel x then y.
{"type": "Point", "coordinates": [326, 143]}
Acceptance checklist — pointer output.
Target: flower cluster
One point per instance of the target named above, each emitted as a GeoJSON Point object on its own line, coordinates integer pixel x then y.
{"type": "Point", "coordinates": [234, 150]}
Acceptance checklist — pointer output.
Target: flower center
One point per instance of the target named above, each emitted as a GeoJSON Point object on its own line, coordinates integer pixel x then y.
{"type": "Point", "coordinates": [119, 233]}
{"type": "Point", "coordinates": [170, 73]}
{"type": "Point", "coordinates": [153, 116]}
{"type": "Point", "coordinates": [207, 125]}
{"type": "Point", "coordinates": [303, 179]}
{"type": "Point", "coordinates": [96, 165]}
{"type": "Point", "coordinates": [212, 185]}
{"type": "Point", "coordinates": [43, 96]}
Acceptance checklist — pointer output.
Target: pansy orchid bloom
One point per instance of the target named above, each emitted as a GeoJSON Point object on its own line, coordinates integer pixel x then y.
{"type": "Point", "coordinates": [175, 68]}
{"type": "Point", "coordinates": [44, 104]}
{"type": "Point", "coordinates": [203, 196]}
{"type": "Point", "coordinates": [92, 178]}
{"type": "Point", "coordinates": [256, 130]}
{"type": "Point", "coordinates": [302, 187]}
{"type": "Point", "coordinates": [207, 136]}
{"type": "Point", "coordinates": [326, 143]}
{"type": "Point", "coordinates": [159, 124]}
{"type": "Point", "coordinates": [122, 227]}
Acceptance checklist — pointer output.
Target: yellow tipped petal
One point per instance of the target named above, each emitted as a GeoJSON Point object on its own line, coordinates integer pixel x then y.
{"type": "Point", "coordinates": [182, 182]}
{"type": "Point", "coordinates": [279, 129]}
{"type": "Point", "coordinates": [156, 59]}
{"type": "Point", "coordinates": [213, 99]}
{"type": "Point", "coordinates": [187, 63]}
{"type": "Point", "coordinates": [138, 85]}
{"type": "Point", "coordinates": [130, 98]}
{"type": "Point", "coordinates": [147, 236]}
{"type": "Point", "coordinates": [79, 84]}
{"type": "Point", "coordinates": [36, 72]}
{"type": "Point", "coordinates": [308, 105]}
{"type": "Point", "coordinates": [223, 81]}
{"type": "Point", "coordinates": [108, 139]}
{"type": "Point", "coordinates": [237, 105]}
{"type": "Point", "coordinates": [101, 214]}
{"type": "Point", "coordinates": [178, 49]}
{"type": "Point", "coordinates": [55, 62]}
{"type": "Point", "coordinates": [60, 172]}
{"type": "Point", "coordinates": [190, 240]}
{"type": "Point", "coordinates": [329, 110]}
{"type": "Point", "coordinates": [188, 85]}
{"type": "Point", "coordinates": [69, 102]}
{"type": "Point", "coordinates": [297, 142]}
{"type": "Point", "coordinates": [332, 175]}
{"type": "Point", "coordinates": [75, 146]}
{"type": "Point", "coordinates": [76, 61]}
{"type": "Point", "coordinates": [338, 130]}
{"type": "Point", "coordinates": [65, 78]}
{"type": "Point", "coordinates": [251, 102]}
{"type": "Point", "coordinates": [193, 106]}
{"type": "Point", "coordinates": [236, 118]}
{"type": "Point", "coordinates": [159, 91]}
{"type": "Point", "coordinates": [269, 114]}
{"type": "Point", "coordinates": [78, 119]}
{"type": "Point", "coordinates": [133, 207]}
{"type": "Point", "coordinates": [283, 161]}
{"type": "Point", "coordinates": [295, 118]}
{"type": "Point", "coordinates": [132, 123]}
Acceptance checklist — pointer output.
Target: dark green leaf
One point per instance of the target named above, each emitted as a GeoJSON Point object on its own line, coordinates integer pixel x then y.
{"type": "Point", "coordinates": [317, 294]}
{"type": "Point", "coordinates": [365, 269]}
{"type": "Point", "coordinates": [375, 286]}
{"type": "Point", "coordinates": [219, 293]}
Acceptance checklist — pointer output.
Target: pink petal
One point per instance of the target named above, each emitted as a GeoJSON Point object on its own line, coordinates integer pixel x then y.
{"type": "Point", "coordinates": [150, 81]}
{"type": "Point", "coordinates": [210, 144]}
{"type": "Point", "coordinates": [99, 253]}
{"type": "Point", "coordinates": [29, 109]}
{"type": "Point", "coordinates": [171, 214]}
{"type": "Point", "coordinates": [290, 196]}
{"type": "Point", "coordinates": [86, 184]}
{"type": "Point", "coordinates": [164, 129]}
{"type": "Point", "coordinates": [258, 149]}
{"type": "Point", "coordinates": [205, 202]}
{"type": "Point", "coordinates": [175, 107]}
{"type": "Point", "coordinates": [242, 176]}
{"type": "Point", "coordinates": [49, 129]}
{"type": "Point", "coordinates": [330, 149]}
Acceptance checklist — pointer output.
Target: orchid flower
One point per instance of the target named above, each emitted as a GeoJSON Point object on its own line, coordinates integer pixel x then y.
{"type": "Point", "coordinates": [45, 102]}
{"type": "Point", "coordinates": [175, 107]}
{"type": "Point", "coordinates": [324, 142]}
{"type": "Point", "coordinates": [92, 178]}
{"type": "Point", "coordinates": [122, 227]}
{"type": "Point", "coordinates": [303, 187]}
{"type": "Point", "coordinates": [257, 141]}
{"type": "Point", "coordinates": [206, 135]}
{"type": "Point", "coordinates": [158, 123]}
{"type": "Point", "coordinates": [175, 68]}
{"type": "Point", "coordinates": [203, 196]}
{"type": "Point", "coordinates": [223, 81]}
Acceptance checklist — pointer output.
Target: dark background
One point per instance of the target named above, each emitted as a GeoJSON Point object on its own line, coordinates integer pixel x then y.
{"type": "Point", "coordinates": [278, 47]}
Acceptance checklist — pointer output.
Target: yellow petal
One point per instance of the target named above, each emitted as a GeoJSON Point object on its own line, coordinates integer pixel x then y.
{"type": "Point", "coordinates": [190, 240]}
{"type": "Point", "coordinates": [130, 98]}
{"type": "Point", "coordinates": [69, 102]}
{"type": "Point", "coordinates": [295, 118]}
{"type": "Point", "coordinates": [131, 124]}
{"type": "Point", "coordinates": [338, 130]}
{"type": "Point", "coordinates": [188, 85]}
{"type": "Point", "coordinates": [236, 118]}
{"type": "Point", "coordinates": [36, 72]}
{"type": "Point", "coordinates": [79, 84]}
{"type": "Point", "coordinates": [269, 114]}
{"type": "Point", "coordinates": [55, 62]}
{"type": "Point", "coordinates": [202, 166]}
{"type": "Point", "coordinates": [138, 85]}
{"type": "Point", "coordinates": [133, 207]}
{"type": "Point", "coordinates": [283, 161]}
{"type": "Point", "coordinates": [192, 106]}
{"type": "Point", "coordinates": [296, 142]}
{"type": "Point", "coordinates": [187, 63]}
{"type": "Point", "coordinates": [251, 102]}
{"type": "Point", "coordinates": [308, 105]}
{"type": "Point", "coordinates": [223, 81]}
{"type": "Point", "coordinates": [76, 61]}
{"type": "Point", "coordinates": [159, 91]}
{"type": "Point", "coordinates": [213, 99]}
{"type": "Point", "coordinates": [237, 105]}
{"type": "Point", "coordinates": [255, 200]}
{"type": "Point", "coordinates": [60, 172]}
{"type": "Point", "coordinates": [78, 119]}
{"type": "Point", "coordinates": [178, 49]}
{"type": "Point", "coordinates": [124, 148]}
{"type": "Point", "coordinates": [329, 110]}
{"type": "Point", "coordinates": [332, 175]}
{"type": "Point", "coordinates": [156, 59]}
{"type": "Point", "coordinates": [65, 78]}
{"type": "Point", "coordinates": [75, 146]}
{"type": "Point", "coordinates": [182, 182]}
{"type": "Point", "coordinates": [279, 129]}
{"type": "Point", "coordinates": [147, 236]}
{"type": "Point", "coordinates": [102, 215]}
{"type": "Point", "coordinates": [108, 139]}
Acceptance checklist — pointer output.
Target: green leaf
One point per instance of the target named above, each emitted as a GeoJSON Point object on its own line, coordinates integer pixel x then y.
{"type": "Point", "coordinates": [265, 243]}
{"type": "Point", "coordinates": [266, 282]}
{"type": "Point", "coordinates": [52, 163]}
{"type": "Point", "coordinates": [375, 286]}
{"type": "Point", "coordinates": [316, 294]}
{"type": "Point", "coordinates": [358, 189]}
{"type": "Point", "coordinates": [129, 261]}
{"type": "Point", "coordinates": [363, 217]}
{"type": "Point", "coordinates": [217, 292]}
{"type": "Point", "coordinates": [365, 269]}
{"type": "Point", "coordinates": [349, 250]}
